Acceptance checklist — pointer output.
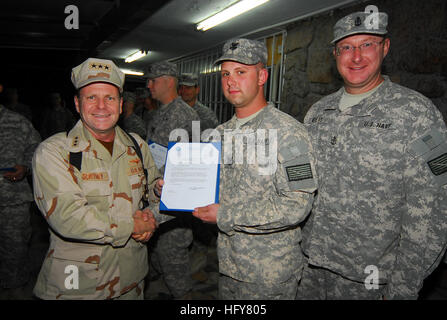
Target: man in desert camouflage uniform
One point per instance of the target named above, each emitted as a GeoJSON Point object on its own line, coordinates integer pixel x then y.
{"type": "Point", "coordinates": [378, 225]}
{"type": "Point", "coordinates": [261, 202]}
{"type": "Point", "coordinates": [173, 239]}
{"type": "Point", "coordinates": [96, 225]}
{"type": "Point", "coordinates": [132, 122]}
{"type": "Point", "coordinates": [189, 90]}
{"type": "Point", "coordinates": [18, 140]}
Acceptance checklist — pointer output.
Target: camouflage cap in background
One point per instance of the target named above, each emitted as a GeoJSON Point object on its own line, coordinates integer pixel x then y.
{"type": "Point", "coordinates": [189, 79]}
{"type": "Point", "coordinates": [360, 22]}
{"type": "Point", "coordinates": [244, 51]}
{"type": "Point", "coordinates": [163, 68]}
{"type": "Point", "coordinates": [129, 96]}
{"type": "Point", "coordinates": [97, 70]}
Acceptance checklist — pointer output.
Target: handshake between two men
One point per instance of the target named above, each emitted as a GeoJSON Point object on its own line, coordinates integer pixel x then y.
{"type": "Point", "coordinates": [145, 223]}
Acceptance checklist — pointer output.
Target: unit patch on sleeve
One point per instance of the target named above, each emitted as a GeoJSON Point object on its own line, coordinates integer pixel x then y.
{"type": "Point", "coordinates": [299, 172]}
{"type": "Point", "coordinates": [438, 165]}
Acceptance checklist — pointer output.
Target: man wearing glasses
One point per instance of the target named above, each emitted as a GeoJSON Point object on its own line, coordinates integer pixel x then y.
{"type": "Point", "coordinates": [378, 226]}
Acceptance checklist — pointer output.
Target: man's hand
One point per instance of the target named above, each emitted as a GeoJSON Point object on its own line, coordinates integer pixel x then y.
{"type": "Point", "coordinates": [17, 175]}
{"type": "Point", "coordinates": [207, 214]}
{"type": "Point", "coordinates": [158, 187]}
{"type": "Point", "coordinates": [144, 225]}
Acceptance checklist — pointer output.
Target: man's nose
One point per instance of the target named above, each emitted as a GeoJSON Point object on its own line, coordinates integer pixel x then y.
{"type": "Point", "coordinates": [357, 54]}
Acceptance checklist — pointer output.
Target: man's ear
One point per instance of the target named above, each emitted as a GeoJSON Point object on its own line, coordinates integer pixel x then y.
{"type": "Point", "coordinates": [76, 101]}
{"type": "Point", "coordinates": [263, 76]}
{"type": "Point", "coordinates": [386, 46]}
{"type": "Point", "coordinates": [121, 105]}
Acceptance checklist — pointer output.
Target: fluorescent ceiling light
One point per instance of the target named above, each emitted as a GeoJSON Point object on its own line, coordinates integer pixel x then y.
{"type": "Point", "coordinates": [135, 73]}
{"type": "Point", "coordinates": [229, 13]}
{"type": "Point", "coordinates": [135, 56]}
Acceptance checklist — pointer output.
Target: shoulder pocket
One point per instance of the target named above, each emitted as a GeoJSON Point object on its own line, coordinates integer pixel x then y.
{"type": "Point", "coordinates": [298, 168]}
{"type": "Point", "coordinates": [432, 149]}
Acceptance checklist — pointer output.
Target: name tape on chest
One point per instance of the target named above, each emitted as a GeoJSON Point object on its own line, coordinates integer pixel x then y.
{"type": "Point", "coordinates": [95, 176]}
{"type": "Point", "coordinates": [299, 172]}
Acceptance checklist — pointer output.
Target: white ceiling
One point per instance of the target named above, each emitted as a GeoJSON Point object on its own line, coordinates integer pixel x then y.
{"type": "Point", "coordinates": [170, 32]}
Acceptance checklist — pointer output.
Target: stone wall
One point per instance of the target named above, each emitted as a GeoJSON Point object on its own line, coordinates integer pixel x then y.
{"type": "Point", "coordinates": [417, 58]}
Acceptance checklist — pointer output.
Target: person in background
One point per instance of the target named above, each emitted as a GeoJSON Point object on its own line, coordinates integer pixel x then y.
{"type": "Point", "coordinates": [130, 121]}
{"type": "Point", "coordinates": [18, 141]}
{"type": "Point", "coordinates": [189, 90]}
{"type": "Point", "coordinates": [172, 240]}
{"type": "Point", "coordinates": [12, 103]}
{"type": "Point", "coordinates": [56, 118]}
{"type": "Point", "coordinates": [204, 234]}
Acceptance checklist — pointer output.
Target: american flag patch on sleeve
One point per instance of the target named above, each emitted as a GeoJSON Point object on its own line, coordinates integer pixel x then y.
{"type": "Point", "coordinates": [438, 165]}
{"type": "Point", "coordinates": [299, 172]}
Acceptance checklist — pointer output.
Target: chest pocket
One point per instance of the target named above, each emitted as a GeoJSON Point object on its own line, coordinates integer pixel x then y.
{"type": "Point", "coordinates": [374, 134]}
{"type": "Point", "coordinates": [97, 188]}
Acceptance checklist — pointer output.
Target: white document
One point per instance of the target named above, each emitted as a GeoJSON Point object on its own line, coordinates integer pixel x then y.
{"type": "Point", "coordinates": [191, 176]}
{"type": "Point", "coordinates": [158, 153]}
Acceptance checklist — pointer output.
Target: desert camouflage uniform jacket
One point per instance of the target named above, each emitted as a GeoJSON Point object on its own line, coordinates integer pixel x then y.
{"type": "Point", "coordinates": [382, 188]}
{"type": "Point", "coordinates": [260, 208]}
{"type": "Point", "coordinates": [90, 214]}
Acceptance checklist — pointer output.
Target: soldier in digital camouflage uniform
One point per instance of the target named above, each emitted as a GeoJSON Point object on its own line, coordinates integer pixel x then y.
{"type": "Point", "coordinates": [173, 239]}
{"type": "Point", "coordinates": [131, 122]}
{"type": "Point", "coordinates": [261, 202]}
{"type": "Point", "coordinates": [378, 225]}
{"type": "Point", "coordinates": [18, 140]}
{"type": "Point", "coordinates": [189, 90]}
{"type": "Point", "coordinates": [203, 233]}
{"type": "Point", "coordinates": [97, 229]}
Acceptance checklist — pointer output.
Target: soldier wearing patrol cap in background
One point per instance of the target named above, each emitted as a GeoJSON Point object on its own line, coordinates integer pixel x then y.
{"type": "Point", "coordinates": [93, 204]}
{"type": "Point", "coordinates": [173, 239]}
{"type": "Point", "coordinates": [130, 121]}
{"type": "Point", "coordinates": [261, 203]}
{"type": "Point", "coordinates": [378, 225]}
{"type": "Point", "coordinates": [189, 89]}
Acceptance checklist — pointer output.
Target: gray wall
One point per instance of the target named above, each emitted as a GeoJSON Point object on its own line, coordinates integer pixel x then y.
{"type": "Point", "coordinates": [417, 58]}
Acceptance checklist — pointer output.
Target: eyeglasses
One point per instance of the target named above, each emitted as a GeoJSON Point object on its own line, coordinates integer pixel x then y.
{"type": "Point", "coordinates": [364, 47]}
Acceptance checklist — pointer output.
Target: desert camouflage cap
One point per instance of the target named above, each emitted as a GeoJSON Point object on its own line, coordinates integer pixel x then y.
{"type": "Point", "coordinates": [97, 70]}
{"type": "Point", "coordinates": [189, 79]}
{"type": "Point", "coordinates": [163, 68]}
{"type": "Point", "coordinates": [245, 51]}
{"type": "Point", "coordinates": [129, 96]}
{"type": "Point", "coordinates": [360, 22]}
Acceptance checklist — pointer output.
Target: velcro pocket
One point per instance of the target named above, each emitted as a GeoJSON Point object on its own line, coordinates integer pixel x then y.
{"type": "Point", "coordinates": [432, 149]}
{"type": "Point", "coordinates": [75, 268]}
{"type": "Point", "coordinates": [298, 168]}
